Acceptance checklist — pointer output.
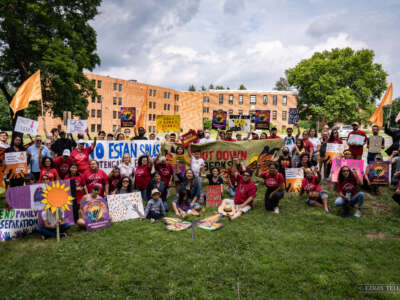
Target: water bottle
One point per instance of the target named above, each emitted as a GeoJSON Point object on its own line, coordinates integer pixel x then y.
{"type": "Point", "coordinates": [348, 195]}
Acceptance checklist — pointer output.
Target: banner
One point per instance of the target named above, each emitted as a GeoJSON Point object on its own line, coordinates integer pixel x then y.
{"type": "Point", "coordinates": [76, 126]}
{"type": "Point", "coordinates": [128, 116]}
{"type": "Point", "coordinates": [125, 206]}
{"type": "Point", "coordinates": [219, 119]}
{"type": "Point", "coordinates": [189, 137]}
{"type": "Point", "coordinates": [16, 223]}
{"type": "Point", "coordinates": [294, 178]}
{"type": "Point", "coordinates": [16, 163]}
{"type": "Point", "coordinates": [213, 195]}
{"type": "Point", "coordinates": [95, 214]}
{"type": "Point", "coordinates": [27, 126]}
{"type": "Point", "coordinates": [262, 119]}
{"type": "Point", "coordinates": [333, 151]}
{"type": "Point", "coordinates": [379, 172]}
{"type": "Point", "coordinates": [337, 164]}
{"type": "Point", "coordinates": [239, 123]}
{"type": "Point", "coordinates": [356, 139]}
{"type": "Point", "coordinates": [293, 116]}
{"type": "Point", "coordinates": [168, 123]}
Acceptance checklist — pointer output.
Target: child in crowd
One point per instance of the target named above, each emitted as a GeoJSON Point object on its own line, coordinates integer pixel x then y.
{"type": "Point", "coordinates": [316, 196]}
{"type": "Point", "coordinates": [155, 208]}
{"type": "Point", "coordinates": [50, 223]}
{"type": "Point", "coordinates": [183, 206]}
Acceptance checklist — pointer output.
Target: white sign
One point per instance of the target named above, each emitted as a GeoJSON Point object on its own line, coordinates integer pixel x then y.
{"type": "Point", "coordinates": [27, 126]}
{"type": "Point", "coordinates": [123, 207]}
{"type": "Point", "coordinates": [11, 158]}
{"type": "Point", "coordinates": [239, 123]}
{"type": "Point", "coordinates": [36, 191]}
{"type": "Point", "coordinates": [355, 139]}
{"type": "Point", "coordinates": [15, 223]}
{"type": "Point", "coordinates": [334, 148]}
{"type": "Point", "coordinates": [76, 126]}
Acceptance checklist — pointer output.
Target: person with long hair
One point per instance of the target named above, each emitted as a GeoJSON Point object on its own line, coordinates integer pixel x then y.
{"type": "Point", "coordinates": [236, 166]}
{"type": "Point", "coordinates": [114, 178]}
{"type": "Point", "coordinates": [125, 186]}
{"type": "Point", "coordinates": [181, 162]}
{"type": "Point", "coordinates": [189, 183]}
{"type": "Point", "coordinates": [182, 206]}
{"type": "Point", "coordinates": [160, 185]}
{"type": "Point", "coordinates": [314, 139]}
{"type": "Point", "coordinates": [127, 167]}
{"type": "Point", "coordinates": [275, 184]}
{"type": "Point", "coordinates": [316, 196]}
{"type": "Point", "coordinates": [95, 176]}
{"type": "Point", "coordinates": [73, 174]}
{"type": "Point", "coordinates": [143, 174]}
{"type": "Point", "coordinates": [47, 168]}
{"type": "Point", "coordinates": [16, 146]}
{"type": "Point", "coordinates": [298, 149]}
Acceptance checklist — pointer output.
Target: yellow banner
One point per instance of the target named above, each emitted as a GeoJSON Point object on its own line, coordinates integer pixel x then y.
{"type": "Point", "coordinates": [168, 123]}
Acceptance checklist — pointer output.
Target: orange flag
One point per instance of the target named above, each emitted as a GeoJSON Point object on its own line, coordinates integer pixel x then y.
{"type": "Point", "coordinates": [377, 116]}
{"type": "Point", "coordinates": [143, 111]}
{"type": "Point", "coordinates": [30, 90]}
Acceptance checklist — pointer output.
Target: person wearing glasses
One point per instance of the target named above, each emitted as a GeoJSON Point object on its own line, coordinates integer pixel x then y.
{"type": "Point", "coordinates": [33, 156]}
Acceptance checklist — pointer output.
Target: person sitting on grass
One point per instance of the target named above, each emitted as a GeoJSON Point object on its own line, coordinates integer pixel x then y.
{"type": "Point", "coordinates": [316, 196]}
{"type": "Point", "coordinates": [275, 184]}
{"type": "Point", "coordinates": [49, 228]}
{"type": "Point", "coordinates": [347, 187]}
{"type": "Point", "coordinates": [160, 185]}
{"type": "Point", "coordinates": [189, 184]}
{"type": "Point", "coordinates": [93, 195]}
{"type": "Point", "coordinates": [236, 166]}
{"type": "Point", "coordinates": [155, 208]}
{"type": "Point", "coordinates": [246, 191]}
{"type": "Point", "coordinates": [183, 206]}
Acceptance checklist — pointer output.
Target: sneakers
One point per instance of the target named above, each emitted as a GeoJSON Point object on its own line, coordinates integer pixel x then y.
{"type": "Point", "coordinates": [152, 221]}
{"type": "Point", "coordinates": [276, 210]}
{"type": "Point", "coordinates": [357, 214]}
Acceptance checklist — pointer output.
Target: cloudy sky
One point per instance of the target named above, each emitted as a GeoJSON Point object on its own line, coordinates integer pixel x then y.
{"type": "Point", "coordinates": [175, 43]}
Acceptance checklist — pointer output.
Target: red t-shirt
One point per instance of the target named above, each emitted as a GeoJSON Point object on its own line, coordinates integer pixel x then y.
{"type": "Point", "coordinates": [348, 186]}
{"type": "Point", "coordinates": [113, 181]}
{"type": "Point", "coordinates": [272, 181]}
{"type": "Point", "coordinates": [335, 141]}
{"type": "Point", "coordinates": [308, 145]}
{"type": "Point", "coordinates": [311, 185]}
{"type": "Point", "coordinates": [92, 178]}
{"type": "Point", "coordinates": [62, 166]}
{"type": "Point", "coordinates": [231, 177]}
{"type": "Point", "coordinates": [51, 173]}
{"type": "Point", "coordinates": [166, 172]}
{"type": "Point", "coordinates": [357, 150]}
{"type": "Point", "coordinates": [244, 191]}
{"type": "Point", "coordinates": [226, 140]}
{"type": "Point", "coordinates": [143, 177]}
{"type": "Point", "coordinates": [273, 137]}
{"type": "Point", "coordinates": [81, 158]}
{"type": "Point", "coordinates": [79, 182]}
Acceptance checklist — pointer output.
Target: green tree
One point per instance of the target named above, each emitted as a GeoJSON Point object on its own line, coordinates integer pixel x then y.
{"type": "Point", "coordinates": [219, 87]}
{"type": "Point", "coordinates": [192, 88]}
{"type": "Point", "coordinates": [393, 110]}
{"type": "Point", "coordinates": [207, 124]}
{"type": "Point", "coordinates": [242, 87]}
{"type": "Point", "coordinates": [55, 37]}
{"type": "Point", "coordinates": [5, 118]}
{"type": "Point", "coordinates": [203, 88]}
{"type": "Point", "coordinates": [282, 85]}
{"type": "Point", "coordinates": [337, 85]}
{"type": "Point", "coordinates": [211, 86]}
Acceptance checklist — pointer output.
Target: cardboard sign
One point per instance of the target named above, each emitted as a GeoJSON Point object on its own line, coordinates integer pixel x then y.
{"type": "Point", "coordinates": [189, 137]}
{"type": "Point", "coordinates": [333, 151]}
{"type": "Point", "coordinates": [76, 126]}
{"type": "Point", "coordinates": [95, 214]}
{"type": "Point", "coordinates": [16, 223]}
{"type": "Point", "coordinates": [356, 139]}
{"type": "Point", "coordinates": [239, 123]}
{"type": "Point", "coordinates": [213, 195]}
{"type": "Point", "coordinates": [293, 116]}
{"type": "Point", "coordinates": [16, 163]}
{"type": "Point", "coordinates": [219, 119]}
{"type": "Point", "coordinates": [262, 119]}
{"type": "Point", "coordinates": [175, 224]}
{"type": "Point", "coordinates": [168, 123]}
{"type": "Point", "coordinates": [125, 206]}
{"type": "Point", "coordinates": [337, 164]}
{"type": "Point", "coordinates": [128, 116]}
{"type": "Point", "coordinates": [27, 126]}
{"type": "Point", "coordinates": [294, 178]}
{"type": "Point", "coordinates": [379, 172]}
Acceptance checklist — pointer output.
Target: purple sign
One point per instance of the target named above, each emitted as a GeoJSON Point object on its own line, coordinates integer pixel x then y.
{"type": "Point", "coordinates": [95, 213]}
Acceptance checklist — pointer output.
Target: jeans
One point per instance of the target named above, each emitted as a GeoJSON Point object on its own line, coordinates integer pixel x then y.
{"type": "Point", "coordinates": [153, 215]}
{"type": "Point", "coordinates": [144, 194]}
{"type": "Point", "coordinates": [357, 198]}
{"type": "Point", "coordinates": [52, 232]}
{"type": "Point", "coordinates": [272, 202]}
{"type": "Point", "coordinates": [232, 191]}
{"type": "Point", "coordinates": [371, 157]}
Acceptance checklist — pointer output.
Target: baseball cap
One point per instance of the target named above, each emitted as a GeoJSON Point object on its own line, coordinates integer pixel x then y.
{"type": "Point", "coordinates": [354, 123]}
{"type": "Point", "coordinates": [80, 141]}
{"type": "Point", "coordinates": [66, 152]}
{"type": "Point", "coordinates": [379, 156]}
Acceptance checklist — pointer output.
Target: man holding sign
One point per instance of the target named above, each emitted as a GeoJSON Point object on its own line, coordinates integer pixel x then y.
{"type": "Point", "coordinates": [356, 141]}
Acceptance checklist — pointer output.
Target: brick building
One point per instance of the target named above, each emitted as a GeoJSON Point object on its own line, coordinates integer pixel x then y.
{"type": "Point", "coordinates": [193, 107]}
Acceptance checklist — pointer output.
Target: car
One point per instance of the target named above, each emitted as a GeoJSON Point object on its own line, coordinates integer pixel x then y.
{"type": "Point", "coordinates": [343, 130]}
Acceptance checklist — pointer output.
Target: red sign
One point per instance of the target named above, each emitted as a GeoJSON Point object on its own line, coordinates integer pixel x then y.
{"type": "Point", "coordinates": [213, 195]}
{"type": "Point", "coordinates": [189, 137]}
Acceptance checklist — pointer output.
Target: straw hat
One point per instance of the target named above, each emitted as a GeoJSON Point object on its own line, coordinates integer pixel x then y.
{"type": "Point", "coordinates": [227, 209]}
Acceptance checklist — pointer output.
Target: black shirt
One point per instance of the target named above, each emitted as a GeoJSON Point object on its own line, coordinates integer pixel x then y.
{"type": "Point", "coordinates": [61, 144]}
{"type": "Point", "coordinates": [212, 182]}
{"type": "Point", "coordinates": [139, 138]}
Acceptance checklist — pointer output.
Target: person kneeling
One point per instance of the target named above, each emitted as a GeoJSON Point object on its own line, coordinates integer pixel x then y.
{"type": "Point", "coordinates": [155, 208]}
{"type": "Point", "coordinates": [50, 224]}
{"type": "Point", "coordinates": [183, 205]}
{"type": "Point", "coordinates": [275, 184]}
{"type": "Point", "coordinates": [316, 196]}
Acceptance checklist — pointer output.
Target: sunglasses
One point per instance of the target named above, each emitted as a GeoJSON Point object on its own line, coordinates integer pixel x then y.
{"type": "Point", "coordinates": [125, 181]}
{"type": "Point", "coordinates": [346, 171]}
{"type": "Point", "coordinates": [246, 175]}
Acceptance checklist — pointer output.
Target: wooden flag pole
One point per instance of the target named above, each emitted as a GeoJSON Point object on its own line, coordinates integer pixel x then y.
{"type": "Point", "coordinates": [58, 226]}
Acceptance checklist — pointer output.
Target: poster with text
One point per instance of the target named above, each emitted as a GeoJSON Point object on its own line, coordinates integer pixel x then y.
{"type": "Point", "coordinates": [337, 164]}
{"type": "Point", "coordinates": [219, 119]}
{"type": "Point", "coordinates": [189, 137]}
{"type": "Point", "coordinates": [76, 126]}
{"type": "Point", "coordinates": [27, 126]}
{"type": "Point", "coordinates": [356, 139]}
{"type": "Point", "coordinates": [168, 123]}
{"type": "Point", "coordinates": [16, 164]}
{"type": "Point", "coordinates": [125, 206]}
{"type": "Point", "coordinates": [262, 119]}
{"type": "Point", "coordinates": [294, 178]}
{"type": "Point", "coordinates": [379, 172]}
{"type": "Point", "coordinates": [128, 116]}
{"type": "Point", "coordinates": [95, 213]}
{"type": "Point", "coordinates": [16, 223]}
{"type": "Point", "coordinates": [293, 116]}
{"type": "Point", "coordinates": [213, 195]}
{"type": "Point", "coordinates": [239, 123]}
{"type": "Point", "coordinates": [333, 151]}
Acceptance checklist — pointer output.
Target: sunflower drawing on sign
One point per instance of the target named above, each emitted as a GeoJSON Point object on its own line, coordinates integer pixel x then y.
{"type": "Point", "coordinates": [175, 224]}
{"type": "Point", "coordinates": [219, 119]}
{"type": "Point", "coordinates": [56, 196]}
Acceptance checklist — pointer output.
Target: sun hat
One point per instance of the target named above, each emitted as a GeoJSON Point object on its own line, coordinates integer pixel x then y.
{"type": "Point", "coordinates": [227, 209]}
{"type": "Point", "coordinates": [155, 191]}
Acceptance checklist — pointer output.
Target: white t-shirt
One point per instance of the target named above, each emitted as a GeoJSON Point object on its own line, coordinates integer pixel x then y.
{"type": "Point", "coordinates": [207, 140]}
{"type": "Point", "coordinates": [51, 218]}
{"type": "Point", "coordinates": [290, 142]}
{"type": "Point", "coordinates": [127, 170]}
{"type": "Point", "coordinates": [315, 141]}
{"type": "Point", "coordinates": [195, 164]}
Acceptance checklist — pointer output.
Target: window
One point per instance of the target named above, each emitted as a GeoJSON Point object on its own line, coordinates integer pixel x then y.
{"type": "Point", "coordinates": [205, 99]}
{"type": "Point", "coordinates": [165, 94]}
{"type": "Point", "coordinates": [253, 99]}
{"type": "Point", "coordinates": [284, 100]}
{"type": "Point", "coordinates": [154, 93]}
{"type": "Point", "coordinates": [99, 99]}
{"type": "Point", "coordinates": [98, 127]}
{"type": "Point", "coordinates": [99, 84]}
{"type": "Point", "coordinates": [176, 97]}
{"type": "Point", "coordinates": [93, 113]}
{"type": "Point", "coordinates": [99, 113]}
{"type": "Point", "coordinates": [221, 99]}
{"type": "Point", "coordinates": [115, 100]}
{"type": "Point", "coordinates": [149, 128]}
{"type": "Point", "coordinates": [205, 109]}
{"type": "Point", "coordinates": [240, 99]}
{"type": "Point", "coordinates": [119, 101]}
{"type": "Point", "coordinates": [230, 99]}
{"type": "Point", "coordinates": [154, 117]}
{"type": "Point", "coordinates": [93, 128]}
{"type": "Point", "coordinates": [114, 128]}
{"type": "Point", "coordinates": [154, 128]}
{"type": "Point", "coordinates": [150, 117]}
{"type": "Point", "coordinates": [169, 107]}
{"type": "Point", "coordinates": [165, 106]}
{"type": "Point", "coordinates": [119, 115]}
{"type": "Point", "coordinates": [274, 115]}
{"type": "Point", "coordinates": [93, 99]}
{"type": "Point", "coordinates": [150, 104]}
{"type": "Point", "coordinates": [284, 113]}
{"type": "Point", "coordinates": [169, 95]}
{"type": "Point", "coordinates": [230, 112]}
{"type": "Point", "coordinates": [275, 100]}
{"type": "Point", "coordinates": [154, 105]}
{"type": "Point", "coordinates": [114, 114]}
{"type": "Point", "coordinates": [150, 92]}
{"type": "Point", "coordinates": [115, 86]}
{"type": "Point", "coordinates": [265, 99]}
{"type": "Point", "coordinates": [120, 87]}
{"type": "Point", "coordinates": [240, 112]}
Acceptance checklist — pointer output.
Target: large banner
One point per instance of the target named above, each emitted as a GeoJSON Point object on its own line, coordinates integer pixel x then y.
{"type": "Point", "coordinates": [168, 123]}
{"type": "Point", "coordinates": [337, 164]}
{"type": "Point", "coordinates": [125, 206]}
{"type": "Point", "coordinates": [379, 172]}
{"type": "Point", "coordinates": [294, 178]}
{"type": "Point", "coordinates": [239, 123]}
{"type": "Point", "coordinates": [16, 223]}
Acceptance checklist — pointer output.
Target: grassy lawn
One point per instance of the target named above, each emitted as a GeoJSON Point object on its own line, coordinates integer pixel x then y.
{"type": "Point", "coordinates": [302, 253]}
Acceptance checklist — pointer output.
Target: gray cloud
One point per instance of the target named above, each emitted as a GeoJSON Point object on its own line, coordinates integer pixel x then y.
{"type": "Point", "coordinates": [233, 6]}
{"type": "Point", "coordinates": [325, 25]}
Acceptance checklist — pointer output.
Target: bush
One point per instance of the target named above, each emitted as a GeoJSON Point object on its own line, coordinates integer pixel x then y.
{"type": "Point", "coordinates": [207, 124]}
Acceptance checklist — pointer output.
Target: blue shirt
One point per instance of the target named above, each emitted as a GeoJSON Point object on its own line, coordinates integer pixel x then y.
{"type": "Point", "coordinates": [34, 152]}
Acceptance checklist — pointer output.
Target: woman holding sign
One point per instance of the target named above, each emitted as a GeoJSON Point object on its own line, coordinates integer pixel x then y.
{"type": "Point", "coordinates": [16, 146]}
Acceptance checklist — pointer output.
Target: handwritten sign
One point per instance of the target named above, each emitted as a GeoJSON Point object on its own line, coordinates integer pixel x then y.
{"type": "Point", "coordinates": [16, 163]}
{"type": "Point", "coordinates": [293, 116]}
{"type": "Point", "coordinates": [337, 164]}
{"type": "Point", "coordinates": [356, 139]}
{"type": "Point", "coordinates": [333, 151]}
{"type": "Point", "coordinates": [168, 123]}
{"type": "Point", "coordinates": [239, 123]}
{"type": "Point", "coordinates": [125, 206]}
{"type": "Point", "coordinates": [294, 178]}
{"type": "Point", "coordinates": [128, 116]}
{"type": "Point", "coordinates": [189, 137]}
{"type": "Point", "coordinates": [27, 126]}
{"type": "Point", "coordinates": [379, 172]}
{"type": "Point", "coordinates": [95, 214]}
{"type": "Point", "coordinates": [262, 119]}
{"type": "Point", "coordinates": [213, 195]}
{"type": "Point", "coordinates": [76, 126]}
{"type": "Point", "coordinates": [219, 119]}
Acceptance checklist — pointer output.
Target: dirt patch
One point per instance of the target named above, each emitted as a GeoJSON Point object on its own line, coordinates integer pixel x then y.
{"type": "Point", "coordinates": [396, 237]}
{"type": "Point", "coordinates": [373, 236]}
{"type": "Point", "coordinates": [379, 207]}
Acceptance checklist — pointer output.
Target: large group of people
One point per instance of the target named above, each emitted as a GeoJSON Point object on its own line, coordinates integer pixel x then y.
{"type": "Point", "coordinates": [61, 156]}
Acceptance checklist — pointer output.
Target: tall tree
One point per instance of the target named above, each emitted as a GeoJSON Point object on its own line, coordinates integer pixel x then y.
{"type": "Point", "coordinates": [282, 85]}
{"type": "Point", "coordinates": [211, 86]}
{"type": "Point", "coordinates": [219, 87]}
{"type": "Point", "coordinates": [337, 85]}
{"type": "Point", "coordinates": [203, 88]}
{"type": "Point", "coordinates": [55, 37]}
{"type": "Point", "coordinates": [192, 88]}
{"type": "Point", "coordinates": [242, 87]}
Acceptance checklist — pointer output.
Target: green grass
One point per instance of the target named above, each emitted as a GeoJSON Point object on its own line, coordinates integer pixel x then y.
{"type": "Point", "coordinates": [302, 253]}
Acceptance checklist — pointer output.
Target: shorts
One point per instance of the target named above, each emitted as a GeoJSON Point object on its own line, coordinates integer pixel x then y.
{"type": "Point", "coordinates": [322, 194]}
{"type": "Point", "coordinates": [231, 202]}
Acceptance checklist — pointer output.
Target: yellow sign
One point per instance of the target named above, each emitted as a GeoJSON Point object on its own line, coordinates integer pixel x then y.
{"type": "Point", "coordinates": [168, 123]}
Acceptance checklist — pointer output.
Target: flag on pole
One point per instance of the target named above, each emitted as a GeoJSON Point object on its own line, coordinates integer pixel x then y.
{"type": "Point", "coordinates": [143, 112]}
{"type": "Point", "coordinates": [30, 90]}
{"type": "Point", "coordinates": [377, 116]}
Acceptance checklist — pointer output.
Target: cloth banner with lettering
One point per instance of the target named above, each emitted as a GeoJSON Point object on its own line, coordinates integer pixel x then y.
{"type": "Point", "coordinates": [379, 172]}
{"type": "Point", "coordinates": [239, 123]}
{"type": "Point", "coordinates": [337, 164]}
{"type": "Point", "coordinates": [128, 116]}
{"type": "Point", "coordinates": [76, 126]}
{"type": "Point", "coordinates": [294, 178]}
{"type": "Point", "coordinates": [333, 151]}
{"type": "Point", "coordinates": [219, 119]}
{"type": "Point", "coordinates": [168, 123]}
{"type": "Point", "coordinates": [262, 119]}
{"type": "Point", "coordinates": [125, 206]}
{"type": "Point", "coordinates": [27, 126]}
{"type": "Point", "coordinates": [16, 223]}
{"type": "Point", "coordinates": [16, 164]}
{"type": "Point", "coordinates": [213, 195]}
{"type": "Point", "coordinates": [95, 213]}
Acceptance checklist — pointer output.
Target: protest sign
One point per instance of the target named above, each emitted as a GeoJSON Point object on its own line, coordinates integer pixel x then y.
{"type": "Point", "coordinates": [16, 223]}
{"type": "Point", "coordinates": [294, 178]}
{"type": "Point", "coordinates": [333, 151]}
{"type": "Point", "coordinates": [355, 139]}
{"type": "Point", "coordinates": [27, 126]}
{"type": "Point", "coordinates": [175, 224]}
{"type": "Point", "coordinates": [76, 126]}
{"type": "Point", "coordinates": [189, 137]}
{"type": "Point", "coordinates": [213, 195]}
{"type": "Point", "coordinates": [337, 164]}
{"type": "Point", "coordinates": [125, 206]}
{"type": "Point", "coordinates": [210, 223]}
{"type": "Point", "coordinates": [168, 123]}
{"type": "Point", "coordinates": [379, 172]}
{"type": "Point", "coordinates": [219, 119]}
{"type": "Point", "coordinates": [262, 119]}
{"type": "Point", "coordinates": [239, 123]}
{"type": "Point", "coordinates": [293, 116]}
{"type": "Point", "coordinates": [16, 163]}
{"type": "Point", "coordinates": [95, 214]}
{"type": "Point", "coordinates": [128, 116]}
